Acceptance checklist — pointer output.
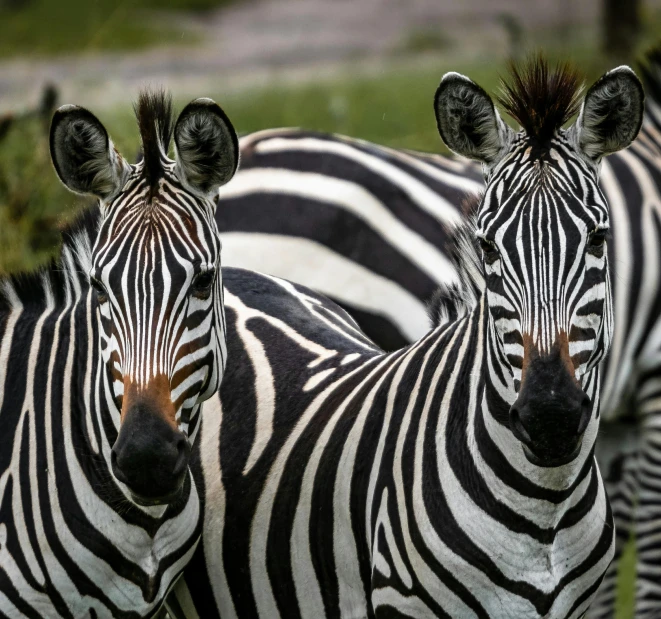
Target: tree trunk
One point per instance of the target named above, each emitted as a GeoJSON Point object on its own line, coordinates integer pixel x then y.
{"type": "Point", "coordinates": [621, 28]}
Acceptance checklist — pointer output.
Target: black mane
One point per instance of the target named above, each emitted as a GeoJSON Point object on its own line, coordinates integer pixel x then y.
{"type": "Point", "coordinates": [539, 98]}
{"type": "Point", "coordinates": [453, 301]}
{"type": "Point", "coordinates": [55, 281]}
{"type": "Point", "coordinates": [154, 114]}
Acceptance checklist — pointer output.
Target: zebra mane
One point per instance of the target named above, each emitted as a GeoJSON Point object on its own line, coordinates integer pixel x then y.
{"type": "Point", "coordinates": [650, 71]}
{"type": "Point", "coordinates": [65, 278]}
{"type": "Point", "coordinates": [153, 112]}
{"type": "Point", "coordinates": [539, 98]}
{"type": "Point", "coordinates": [451, 302]}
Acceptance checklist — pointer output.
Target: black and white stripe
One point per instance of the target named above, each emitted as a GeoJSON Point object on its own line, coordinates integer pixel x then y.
{"type": "Point", "coordinates": [452, 478]}
{"type": "Point", "coordinates": [118, 319]}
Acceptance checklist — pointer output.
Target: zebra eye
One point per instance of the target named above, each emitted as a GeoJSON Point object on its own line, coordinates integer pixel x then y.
{"type": "Point", "coordinates": [596, 242]}
{"type": "Point", "coordinates": [489, 251]}
{"type": "Point", "coordinates": [202, 284]}
{"type": "Point", "coordinates": [101, 294]}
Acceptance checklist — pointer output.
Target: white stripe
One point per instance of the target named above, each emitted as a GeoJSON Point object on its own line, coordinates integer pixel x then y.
{"type": "Point", "coordinates": [423, 196]}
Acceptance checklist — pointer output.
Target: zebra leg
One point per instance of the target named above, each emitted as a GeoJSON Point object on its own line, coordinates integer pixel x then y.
{"type": "Point", "coordinates": [618, 462]}
{"type": "Point", "coordinates": [648, 510]}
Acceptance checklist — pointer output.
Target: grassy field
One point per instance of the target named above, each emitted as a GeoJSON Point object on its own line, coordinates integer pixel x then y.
{"type": "Point", "coordinates": [27, 26]}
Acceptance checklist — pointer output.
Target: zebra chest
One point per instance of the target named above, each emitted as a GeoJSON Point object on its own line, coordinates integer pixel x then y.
{"type": "Point", "coordinates": [93, 563]}
{"type": "Point", "coordinates": [465, 562]}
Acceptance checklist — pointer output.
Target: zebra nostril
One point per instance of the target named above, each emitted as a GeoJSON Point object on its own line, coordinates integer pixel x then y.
{"type": "Point", "coordinates": [517, 427]}
{"type": "Point", "coordinates": [183, 452]}
{"type": "Point", "coordinates": [586, 414]}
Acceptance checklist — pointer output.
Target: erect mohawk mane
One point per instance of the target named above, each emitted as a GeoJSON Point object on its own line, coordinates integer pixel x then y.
{"type": "Point", "coordinates": [541, 99]}
{"type": "Point", "coordinates": [154, 114]}
{"type": "Point", "coordinates": [451, 302]}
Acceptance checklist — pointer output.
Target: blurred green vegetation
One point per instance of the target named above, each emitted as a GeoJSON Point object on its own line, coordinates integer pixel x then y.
{"type": "Point", "coordinates": [626, 581]}
{"type": "Point", "coordinates": [32, 201]}
{"type": "Point", "coordinates": [39, 27]}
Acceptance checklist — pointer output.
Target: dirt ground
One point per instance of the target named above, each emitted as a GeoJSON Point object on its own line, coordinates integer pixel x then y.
{"type": "Point", "coordinates": [259, 41]}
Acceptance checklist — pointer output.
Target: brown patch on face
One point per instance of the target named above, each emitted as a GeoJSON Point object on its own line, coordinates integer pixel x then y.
{"type": "Point", "coordinates": [529, 352]}
{"type": "Point", "coordinates": [155, 395]}
{"type": "Point", "coordinates": [562, 343]}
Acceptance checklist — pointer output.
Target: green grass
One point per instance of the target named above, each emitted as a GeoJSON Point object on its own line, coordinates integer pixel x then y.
{"type": "Point", "coordinates": [53, 27]}
{"type": "Point", "coordinates": [625, 583]}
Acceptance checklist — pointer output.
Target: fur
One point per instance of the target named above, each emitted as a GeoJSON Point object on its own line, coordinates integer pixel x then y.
{"type": "Point", "coordinates": [454, 301]}
{"type": "Point", "coordinates": [467, 120]}
{"type": "Point", "coordinates": [153, 112]}
{"type": "Point", "coordinates": [612, 113]}
{"type": "Point", "coordinates": [54, 283]}
{"type": "Point", "coordinates": [539, 98]}
{"type": "Point", "coordinates": [207, 146]}
{"type": "Point", "coordinates": [83, 155]}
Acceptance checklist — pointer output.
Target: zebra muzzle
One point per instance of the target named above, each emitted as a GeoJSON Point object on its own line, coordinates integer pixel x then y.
{"type": "Point", "coordinates": [551, 413]}
{"type": "Point", "coordinates": [150, 456]}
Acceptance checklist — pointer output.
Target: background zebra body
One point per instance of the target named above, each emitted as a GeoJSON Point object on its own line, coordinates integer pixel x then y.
{"type": "Point", "coordinates": [386, 273]}
{"type": "Point", "coordinates": [363, 224]}
{"type": "Point", "coordinates": [331, 492]}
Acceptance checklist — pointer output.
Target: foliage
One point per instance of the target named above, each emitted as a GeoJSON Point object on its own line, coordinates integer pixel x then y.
{"type": "Point", "coordinates": [32, 200]}
{"type": "Point", "coordinates": [39, 27]}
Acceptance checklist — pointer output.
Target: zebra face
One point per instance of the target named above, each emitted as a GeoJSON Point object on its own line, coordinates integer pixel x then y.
{"type": "Point", "coordinates": [155, 279]}
{"type": "Point", "coordinates": [542, 226]}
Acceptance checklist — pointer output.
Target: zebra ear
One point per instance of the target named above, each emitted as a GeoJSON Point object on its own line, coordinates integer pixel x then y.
{"type": "Point", "coordinates": [468, 121]}
{"type": "Point", "coordinates": [611, 114]}
{"type": "Point", "coordinates": [206, 146]}
{"type": "Point", "coordinates": [83, 155]}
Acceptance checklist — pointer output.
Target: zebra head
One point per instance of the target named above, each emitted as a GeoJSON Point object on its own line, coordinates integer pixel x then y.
{"type": "Point", "coordinates": [156, 278]}
{"type": "Point", "coordinates": [542, 225]}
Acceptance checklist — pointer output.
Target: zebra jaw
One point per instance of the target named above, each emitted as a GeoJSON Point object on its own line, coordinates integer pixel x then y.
{"type": "Point", "coordinates": [552, 462]}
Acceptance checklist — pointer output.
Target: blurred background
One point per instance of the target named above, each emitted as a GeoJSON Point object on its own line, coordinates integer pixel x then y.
{"type": "Point", "coordinates": [366, 68]}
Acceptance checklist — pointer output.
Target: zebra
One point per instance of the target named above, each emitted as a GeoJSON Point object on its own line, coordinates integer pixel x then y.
{"type": "Point", "coordinates": [354, 215]}
{"type": "Point", "coordinates": [454, 477]}
{"type": "Point", "coordinates": [364, 224]}
{"type": "Point", "coordinates": [105, 359]}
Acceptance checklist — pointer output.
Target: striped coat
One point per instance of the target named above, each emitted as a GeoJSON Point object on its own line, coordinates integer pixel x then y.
{"type": "Point", "coordinates": [454, 477]}
{"type": "Point", "coordinates": [105, 359]}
